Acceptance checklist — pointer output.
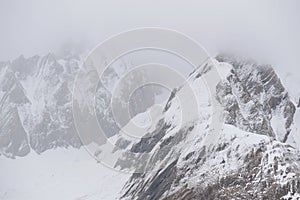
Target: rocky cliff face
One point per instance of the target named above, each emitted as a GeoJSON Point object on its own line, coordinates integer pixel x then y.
{"type": "Point", "coordinates": [37, 96]}
{"type": "Point", "coordinates": [13, 136]}
{"type": "Point", "coordinates": [36, 103]}
{"type": "Point", "coordinates": [249, 158]}
{"type": "Point", "coordinates": [255, 100]}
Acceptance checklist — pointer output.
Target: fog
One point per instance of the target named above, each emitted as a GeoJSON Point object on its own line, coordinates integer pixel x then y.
{"type": "Point", "coordinates": [267, 30]}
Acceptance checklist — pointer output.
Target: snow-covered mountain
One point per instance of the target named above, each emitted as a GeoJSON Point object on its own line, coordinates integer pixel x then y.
{"type": "Point", "coordinates": [253, 154]}
{"type": "Point", "coordinates": [36, 103]}
{"type": "Point", "coordinates": [39, 99]}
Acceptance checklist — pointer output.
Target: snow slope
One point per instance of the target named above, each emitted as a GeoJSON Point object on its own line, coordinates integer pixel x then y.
{"type": "Point", "coordinates": [67, 174]}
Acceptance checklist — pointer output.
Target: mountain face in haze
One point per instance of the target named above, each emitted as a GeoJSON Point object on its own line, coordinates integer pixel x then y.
{"type": "Point", "coordinates": [255, 155]}
{"type": "Point", "coordinates": [36, 104]}
{"type": "Point", "coordinates": [40, 104]}
{"type": "Point", "coordinates": [13, 135]}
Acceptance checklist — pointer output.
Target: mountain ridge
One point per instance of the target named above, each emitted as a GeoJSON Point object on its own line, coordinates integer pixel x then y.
{"type": "Point", "coordinates": [239, 164]}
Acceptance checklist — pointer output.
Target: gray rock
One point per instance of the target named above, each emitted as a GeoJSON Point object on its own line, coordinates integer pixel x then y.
{"type": "Point", "coordinates": [252, 96]}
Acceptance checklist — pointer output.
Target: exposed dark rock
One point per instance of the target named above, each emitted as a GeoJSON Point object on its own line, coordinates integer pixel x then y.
{"type": "Point", "coordinates": [252, 95]}
{"type": "Point", "coordinates": [149, 141]}
{"type": "Point", "coordinates": [173, 93]}
{"type": "Point", "coordinates": [155, 188]}
{"type": "Point", "coordinates": [244, 184]}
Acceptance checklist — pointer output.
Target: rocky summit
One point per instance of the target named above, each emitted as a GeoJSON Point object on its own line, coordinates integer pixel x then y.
{"type": "Point", "coordinates": [255, 155]}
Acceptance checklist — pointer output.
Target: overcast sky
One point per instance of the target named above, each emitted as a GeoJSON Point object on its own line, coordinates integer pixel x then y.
{"type": "Point", "coordinates": [269, 29]}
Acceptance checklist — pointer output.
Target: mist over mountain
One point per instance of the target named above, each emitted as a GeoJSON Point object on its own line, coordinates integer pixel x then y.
{"type": "Point", "coordinates": [36, 103]}
{"type": "Point", "coordinates": [255, 155]}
